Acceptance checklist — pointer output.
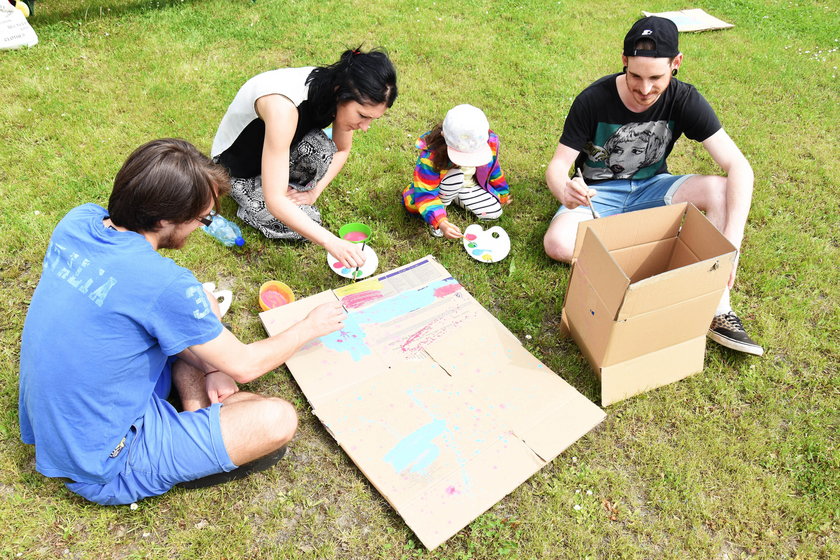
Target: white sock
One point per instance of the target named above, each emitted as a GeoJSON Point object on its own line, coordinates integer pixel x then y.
{"type": "Point", "coordinates": [724, 306]}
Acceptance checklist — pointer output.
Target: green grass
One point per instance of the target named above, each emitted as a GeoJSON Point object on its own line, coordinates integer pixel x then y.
{"type": "Point", "coordinates": [739, 461]}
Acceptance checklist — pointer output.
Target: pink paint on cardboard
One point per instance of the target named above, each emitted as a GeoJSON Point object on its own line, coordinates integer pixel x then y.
{"type": "Point", "coordinates": [353, 301]}
{"type": "Point", "coordinates": [444, 291]}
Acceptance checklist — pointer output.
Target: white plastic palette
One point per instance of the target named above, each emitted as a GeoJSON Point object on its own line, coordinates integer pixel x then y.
{"type": "Point", "coordinates": [370, 266]}
{"type": "Point", "coordinates": [486, 246]}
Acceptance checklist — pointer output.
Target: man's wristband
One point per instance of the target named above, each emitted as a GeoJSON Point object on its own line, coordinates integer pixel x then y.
{"type": "Point", "coordinates": [212, 371]}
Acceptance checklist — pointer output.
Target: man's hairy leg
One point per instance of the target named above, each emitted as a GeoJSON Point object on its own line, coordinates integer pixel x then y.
{"type": "Point", "coordinates": [253, 426]}
{"type": "Point", "coordinates": [189, 382]}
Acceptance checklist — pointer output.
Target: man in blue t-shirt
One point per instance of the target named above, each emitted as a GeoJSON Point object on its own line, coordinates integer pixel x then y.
{"type": "Point", "coordinates": [113, 325]}
{"type": "Point", "coordinates": [619, 133]}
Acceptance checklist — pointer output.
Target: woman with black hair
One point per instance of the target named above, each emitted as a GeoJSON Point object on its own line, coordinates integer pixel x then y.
{"type": "Point", "coordinates": [271, 141]}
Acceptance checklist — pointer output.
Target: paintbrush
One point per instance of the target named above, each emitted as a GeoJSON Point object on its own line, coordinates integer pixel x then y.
{"type": "Point", "coordinates": [356, 272]}
{"type": "Point", "coordinates": [588, 200]}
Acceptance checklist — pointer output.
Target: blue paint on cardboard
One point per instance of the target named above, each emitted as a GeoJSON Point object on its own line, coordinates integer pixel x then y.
{"type": "Point", "coordinates": [417, 450]}
{"type": "Point", "coordinates": [351, 338]}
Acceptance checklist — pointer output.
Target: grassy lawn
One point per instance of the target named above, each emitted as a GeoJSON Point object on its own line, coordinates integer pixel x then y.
{"type": "Point", "coordinates": [739, 461]}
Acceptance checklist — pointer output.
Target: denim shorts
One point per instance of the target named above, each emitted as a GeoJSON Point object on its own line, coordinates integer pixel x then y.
{"type": "Point", "coordinates": [626, 195]}
{"type": "Point", "coordinates": [164, 447]}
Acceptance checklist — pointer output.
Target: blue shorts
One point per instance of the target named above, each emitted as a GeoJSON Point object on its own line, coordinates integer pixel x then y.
{"type": "Point", "coordinates": [163, 447]}
{"type": "Point", "coordinates": [626, 195]}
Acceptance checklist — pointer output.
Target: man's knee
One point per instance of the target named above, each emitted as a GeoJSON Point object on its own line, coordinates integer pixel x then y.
{"type": "Point", "coordinates": [283, 420]}
{"type": "Point", "coordinates": [558, 244]}
{"type": "Point", "coordinates": [706, 192]}
{"type": "Point", "coordinates": [253, 425]}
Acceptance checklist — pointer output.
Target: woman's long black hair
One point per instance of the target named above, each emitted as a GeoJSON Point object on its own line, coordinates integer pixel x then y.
{"type": "Point", "coordinates": [366, 78]}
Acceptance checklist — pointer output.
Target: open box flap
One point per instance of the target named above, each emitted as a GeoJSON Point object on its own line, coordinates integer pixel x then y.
{"type": "Point", "coordinates": [603, 273]}
{"type": "Point", "coordinates": [675, 286]}
{"type": "Point", "coordinates": [626, 230]}
{"type": "Point", "coordinates": [702, 237]}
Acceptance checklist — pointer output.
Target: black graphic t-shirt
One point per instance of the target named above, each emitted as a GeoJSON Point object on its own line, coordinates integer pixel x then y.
{"type": "Point", "coordinates": [616, 143]}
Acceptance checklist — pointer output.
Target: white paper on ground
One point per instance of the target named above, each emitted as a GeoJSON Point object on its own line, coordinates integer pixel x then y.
{"type": "Point", "coordinates": [15, 31]}
{"type": "Point", "coordinates": [692, 20]}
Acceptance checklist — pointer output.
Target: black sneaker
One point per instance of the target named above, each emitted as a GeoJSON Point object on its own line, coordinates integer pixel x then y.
{"type": "Point", "coordinates": [726, 329]}
{"type": "Point", "coordinates": [254, 466]}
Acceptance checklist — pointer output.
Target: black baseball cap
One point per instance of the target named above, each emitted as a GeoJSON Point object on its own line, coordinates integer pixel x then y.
{"type": "Point", "coordinates": [663, 32]}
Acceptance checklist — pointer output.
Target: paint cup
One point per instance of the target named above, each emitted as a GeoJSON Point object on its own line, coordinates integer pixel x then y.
{"type": "Point", "coordinates": [355, 232]}
{"type": "Point", "coordinates": [274, 294]}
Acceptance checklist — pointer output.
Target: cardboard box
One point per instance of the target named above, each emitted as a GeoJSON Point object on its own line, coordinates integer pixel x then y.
{"type": "Point", "coordinates": [436, 402]}
{"type": "Point", "coordinates": [643, 291]}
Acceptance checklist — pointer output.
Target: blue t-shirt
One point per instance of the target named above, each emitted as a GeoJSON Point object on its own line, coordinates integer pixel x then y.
{"type": "Point", "coordinates": [108, 312]}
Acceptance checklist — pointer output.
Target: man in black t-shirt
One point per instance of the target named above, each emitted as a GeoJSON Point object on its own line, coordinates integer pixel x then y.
{"type": "Point", "coordinates": [619, 133]}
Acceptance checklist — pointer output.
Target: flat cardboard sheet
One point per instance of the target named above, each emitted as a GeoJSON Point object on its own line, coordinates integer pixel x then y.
{"type": "Point", "coordinates": [436, 402]}
{"type": "Point", "coordinates": [692, 20]}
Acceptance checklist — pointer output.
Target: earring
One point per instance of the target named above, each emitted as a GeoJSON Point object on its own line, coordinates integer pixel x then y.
{"type": "Point", "coordinates": [624, 70]}
{"type": "Point", "coordinates": [674, 72]}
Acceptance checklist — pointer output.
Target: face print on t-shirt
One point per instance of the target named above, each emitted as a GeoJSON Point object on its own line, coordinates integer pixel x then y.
{"type": "Point", "coordinates": [634, 150]}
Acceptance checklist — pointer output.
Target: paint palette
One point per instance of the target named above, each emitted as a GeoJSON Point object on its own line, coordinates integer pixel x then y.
{"type": "Point", "coordinates": [486, 246]}
{"type": "Point", "coordinates": [370, 266]}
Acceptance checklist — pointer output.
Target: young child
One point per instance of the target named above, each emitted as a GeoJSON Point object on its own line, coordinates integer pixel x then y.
{"type": "Point", "coordinates": [458, 162]}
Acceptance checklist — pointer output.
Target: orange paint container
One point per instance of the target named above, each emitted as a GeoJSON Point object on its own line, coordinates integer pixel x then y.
{"type": "Point", "coordinates": [274, 294]}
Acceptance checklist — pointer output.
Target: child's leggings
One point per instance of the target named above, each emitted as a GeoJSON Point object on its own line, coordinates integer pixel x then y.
{"type": "Point", "coordinates": [469, 196]}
